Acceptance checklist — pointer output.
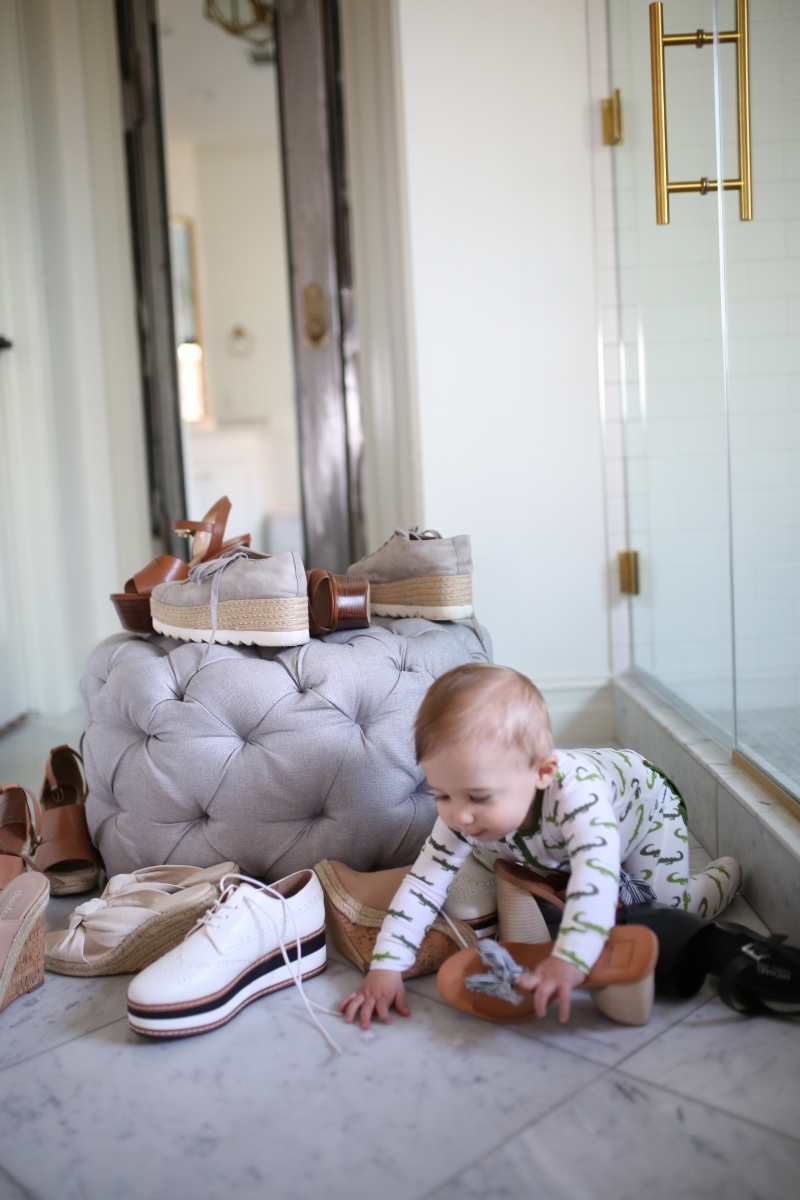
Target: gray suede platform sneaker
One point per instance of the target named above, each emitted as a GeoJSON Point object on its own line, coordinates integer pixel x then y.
{"type": "Point", "coordinates": [420, 575]}
{"type": "Point", "coordinates": [241, 598]}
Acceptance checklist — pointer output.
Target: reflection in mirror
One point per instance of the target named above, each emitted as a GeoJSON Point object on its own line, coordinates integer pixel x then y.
{"type": "Point", "coordinates": [188, 344]}
{"type": "Point", "coordinates": [230, 277]}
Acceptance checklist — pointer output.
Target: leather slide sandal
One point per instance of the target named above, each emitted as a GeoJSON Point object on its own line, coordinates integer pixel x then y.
{"type": "Point", "coordinates": [336, 602]}
{"type": "Point", "coordinates": [23, 904]}
{"type": "Point", "coordinates": [520, 917]}
{"type": "Point", "coordinates": [621, 981]}
{"type": "Point", "coordinates": [133, 605]}
{"type": "Point", "coordinates": [19, 823]}
{"type": "Point", "coordinates": [356, 903]}
{"type": "Point", "coordinates": [125, 932]}
{"type": "Point", "coordinates": [65, 852]}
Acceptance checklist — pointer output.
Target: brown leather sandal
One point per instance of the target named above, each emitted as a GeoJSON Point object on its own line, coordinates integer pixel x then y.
{"type": "Point", "coordinates": [19, 823]}
{"type": "Point", "coordinates": [65, 852]}
{"type": "Point", "coordinates": [336, 602]}
{"type": "Point", "coordinates": [133, 605]}
{"type": "Point", "coordinates": [622, 979]}
{"type": "Point", "coordinates": [355, 907]}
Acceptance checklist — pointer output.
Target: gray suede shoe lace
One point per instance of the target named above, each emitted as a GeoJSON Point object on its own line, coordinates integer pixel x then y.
{"type": "Point", "coordinates": [215, 568]}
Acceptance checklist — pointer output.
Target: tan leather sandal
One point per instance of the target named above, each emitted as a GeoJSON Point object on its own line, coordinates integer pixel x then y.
{"type": "Point", "coordinates": [65, 852]}
{"type": "Point", "coordinates": [19, 823]}
{"type": "Point", "coordinates": [23, 904]}
{"type": "Point", "coordinates": [133, 605]}
{"type": "Point", "coordinates": [336, 602]}
{"type": "Point", "coordinates": [355, 907]}
{"type": "Point", "coordinates": [621, 981]}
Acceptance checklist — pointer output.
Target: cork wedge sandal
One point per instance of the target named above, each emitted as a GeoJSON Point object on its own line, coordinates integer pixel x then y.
{"type": "Point", "coordinates": [65, 852]}
{"type": "Point", "coordinates": [23, 904]}
{"type": "Point", "coordinates": [356, 903]}
{"type": "Point", "coordinates": [621, 981]}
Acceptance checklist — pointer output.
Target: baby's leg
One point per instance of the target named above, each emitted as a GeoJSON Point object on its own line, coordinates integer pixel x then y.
{"type": "Point", "coordinates": [662, 859]}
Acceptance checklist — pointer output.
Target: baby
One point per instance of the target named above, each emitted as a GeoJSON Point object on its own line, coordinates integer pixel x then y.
{"type": "Point", "coordinates": [483, 739]}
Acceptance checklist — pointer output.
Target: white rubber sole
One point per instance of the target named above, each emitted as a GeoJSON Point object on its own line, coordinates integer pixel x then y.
{"type": "Point", "coordinates": [212, 1014]}
{"type": "Point", "coordinates": [236, 637]}
{"type": "Point", "coordinates": [431, 612]}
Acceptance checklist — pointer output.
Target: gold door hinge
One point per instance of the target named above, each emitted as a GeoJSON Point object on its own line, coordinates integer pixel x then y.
{"type": "Point", "coordinates": [611, 110]}
{"type": "Point", "coordinates": [314, 327]}
{"type": "Point", "coordinates": [628, 572]}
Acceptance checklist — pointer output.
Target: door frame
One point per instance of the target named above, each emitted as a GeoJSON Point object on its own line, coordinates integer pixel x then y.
{"type": "Point", "coordinates": [318, 229]}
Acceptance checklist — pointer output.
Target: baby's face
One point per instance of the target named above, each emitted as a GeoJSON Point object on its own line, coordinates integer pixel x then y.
{"type": "Point", "coordinates": [485, 791]}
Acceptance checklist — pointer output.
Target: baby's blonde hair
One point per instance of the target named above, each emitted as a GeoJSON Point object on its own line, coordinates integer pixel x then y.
{"type": "Point", "coordinates": [488, 703]}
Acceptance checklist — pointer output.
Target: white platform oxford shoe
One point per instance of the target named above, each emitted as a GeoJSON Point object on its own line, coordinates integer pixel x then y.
{"type": "Point", "coordinates": [256, 939]}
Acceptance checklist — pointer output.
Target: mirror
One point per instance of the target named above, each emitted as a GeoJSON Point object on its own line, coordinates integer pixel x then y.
{"type": "Point", "coordinates": [230, 276]}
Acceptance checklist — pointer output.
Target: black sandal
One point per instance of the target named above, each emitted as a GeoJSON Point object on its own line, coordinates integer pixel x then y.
{"type": "Point", "coordinates": [757, 973]}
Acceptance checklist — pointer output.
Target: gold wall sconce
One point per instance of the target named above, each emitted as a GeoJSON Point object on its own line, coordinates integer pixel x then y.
{"type": "Point", "coordinates": [658, 40]}
{"type": "Point", "coordinates": [628, 562]}
{"type": "Point", "coordinates": [611, 111]}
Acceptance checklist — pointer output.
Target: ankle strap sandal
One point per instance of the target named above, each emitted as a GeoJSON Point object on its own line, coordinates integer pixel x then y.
{"type": "Point", "coordinates": [133, 605]}
{"type": "Point", "coordinates": [19, 824]}
{"type": "Point", "coordinates": [65, 852]}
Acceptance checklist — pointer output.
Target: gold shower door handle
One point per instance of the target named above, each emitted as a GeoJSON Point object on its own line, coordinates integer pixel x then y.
{"type": "Point", "coordinates": [658, 40]}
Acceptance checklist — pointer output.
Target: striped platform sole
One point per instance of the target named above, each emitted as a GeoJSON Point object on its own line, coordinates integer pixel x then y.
{"type": "Point", "coordinates": [269, 974]}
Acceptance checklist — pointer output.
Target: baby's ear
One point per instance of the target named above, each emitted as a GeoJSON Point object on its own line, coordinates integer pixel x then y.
{"type": "Point", "coordinates": [546, 770]}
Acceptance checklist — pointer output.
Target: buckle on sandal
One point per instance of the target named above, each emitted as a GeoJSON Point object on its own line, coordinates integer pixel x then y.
{"type": "Point", "coordinates": [752, 951]}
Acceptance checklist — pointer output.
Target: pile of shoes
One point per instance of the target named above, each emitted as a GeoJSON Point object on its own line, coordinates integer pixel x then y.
{"type": "Point", "coordinates": [231, 594]}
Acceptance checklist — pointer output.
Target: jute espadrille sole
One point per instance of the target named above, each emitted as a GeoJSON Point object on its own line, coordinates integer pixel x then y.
{"type": "Point", "coordinates": [141, 947]}
{"type": "Point", "coordinates": [70, 883]}
{"type": "Point", "coordinates": [252, 622]}
{"type": "Point", "coordinates": [437, 597]}
{"type": "Point", "coordinates": [354, 929]}
{"type": "Point", "coordinates": [24, 968]}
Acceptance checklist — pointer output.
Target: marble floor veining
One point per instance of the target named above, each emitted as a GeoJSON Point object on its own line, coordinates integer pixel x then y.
{"type": "Point", "coordinates": [698, 1103]}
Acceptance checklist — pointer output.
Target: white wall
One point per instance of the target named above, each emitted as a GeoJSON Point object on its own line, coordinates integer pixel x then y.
{"type": "Point", "coordinates": [498, 153]}
{"type": "Point", "coordinates": [73, 442]}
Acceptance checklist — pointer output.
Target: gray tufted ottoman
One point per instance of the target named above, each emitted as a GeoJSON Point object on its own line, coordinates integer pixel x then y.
{"type": "Point", "coordinates": [272, 758]}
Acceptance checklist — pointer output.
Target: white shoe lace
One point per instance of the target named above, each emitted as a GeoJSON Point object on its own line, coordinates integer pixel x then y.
{"type": "Point", "coordinates": [218, 914]}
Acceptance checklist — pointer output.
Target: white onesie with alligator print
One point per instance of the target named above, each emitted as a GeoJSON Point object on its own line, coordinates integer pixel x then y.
{"type": "Point", "coordinates": [604, 809]}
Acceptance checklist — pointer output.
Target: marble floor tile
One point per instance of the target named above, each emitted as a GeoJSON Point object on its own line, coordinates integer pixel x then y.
{"type": "Point", "coordinates": [749, 1066]}
{"type": "Point", "coordinates": [262, 1108]}
{"type": "Point", "coordinates": [11, 1190]}
{"type": "Point", "coordinates": [61, 1010]}
{"type": "Point", "coordinates": [595, 1037]}
{"type": "Point", "coordinates": [625, 1140]}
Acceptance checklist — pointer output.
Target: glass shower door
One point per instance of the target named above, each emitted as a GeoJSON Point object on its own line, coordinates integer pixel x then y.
{"type": "Point", "coordinates": [763, 307]}
{"type": "Point", "coordinates": [671, 369]}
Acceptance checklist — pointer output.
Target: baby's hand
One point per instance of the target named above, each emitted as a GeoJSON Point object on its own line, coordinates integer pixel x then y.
{"type": "Point", "coordinates": [552, 977]}
{"type": "Point", "coordinates": [379, 991]}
